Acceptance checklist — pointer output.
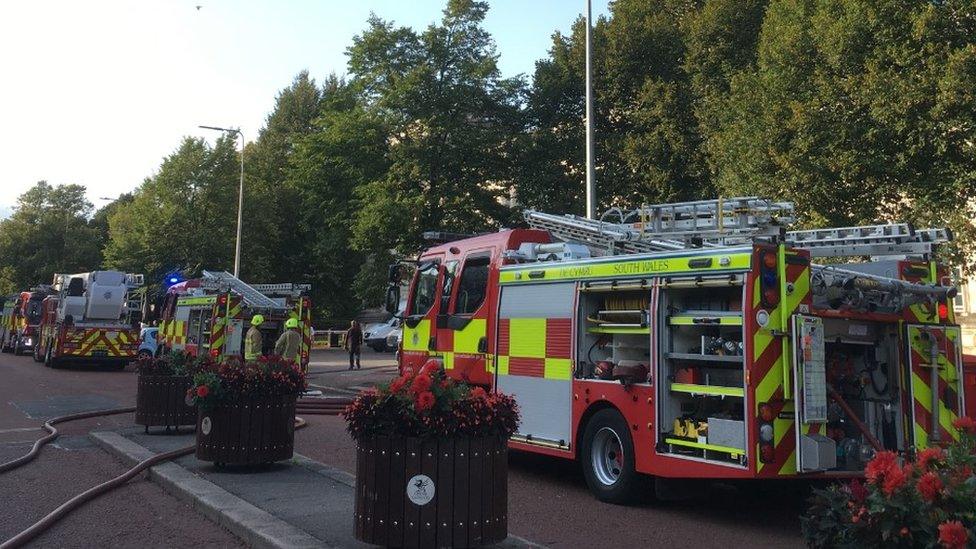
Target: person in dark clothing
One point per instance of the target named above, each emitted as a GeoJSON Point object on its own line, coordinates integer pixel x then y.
{"type": "Point", "coordinates": [354, 342]}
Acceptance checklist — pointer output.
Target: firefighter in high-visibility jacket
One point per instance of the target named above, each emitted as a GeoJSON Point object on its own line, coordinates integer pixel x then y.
{"type": "Point", "coordinates": [253, 340]}
{"type": "Point", "coordinates": [290, 341]}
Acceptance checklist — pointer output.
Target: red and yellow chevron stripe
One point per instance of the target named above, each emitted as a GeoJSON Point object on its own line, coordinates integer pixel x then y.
{"type": "Point", "coordinates": [946, 341]}
{"type": "Point", "coordinates": [770, 373]}
{"type": "Point", "coordinates": [86, 342]}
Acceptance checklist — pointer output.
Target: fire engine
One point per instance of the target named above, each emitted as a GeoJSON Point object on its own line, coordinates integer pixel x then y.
{"type": "Point", "coordinates": [208, 315]}
{"type": "Point", "coordinates": [10, 322]}
{"type": "Point", "coordinates": [697, 340]}
{"type": "Point", "coordinates": [92, 319]}
{"type": "Point", "coordinates": [21, 325]}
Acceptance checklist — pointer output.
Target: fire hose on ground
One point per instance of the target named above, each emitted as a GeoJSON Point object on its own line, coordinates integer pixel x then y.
{"type": "Point", "coordinates": [311, 407]}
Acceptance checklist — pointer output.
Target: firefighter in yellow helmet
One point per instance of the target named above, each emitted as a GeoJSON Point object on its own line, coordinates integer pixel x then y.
{"type": "Point", "coordinates": [290, 342]}
{"type": "Point", "coordinates": [253, 339]}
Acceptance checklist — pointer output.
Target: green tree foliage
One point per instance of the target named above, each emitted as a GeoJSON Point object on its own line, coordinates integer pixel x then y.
{"type": "Point", "coordinates": [184, 217]}
{"type": "Point", "coordinates": [50, 231]}
{"type": "Point", "coordinates": [274, 242]}
{"type": "Point", "coordinates": [858, 111]}
{"type": "Point", "coordinates": [452, 124]}
{"type": "Point", "coordinates": [345, 150]}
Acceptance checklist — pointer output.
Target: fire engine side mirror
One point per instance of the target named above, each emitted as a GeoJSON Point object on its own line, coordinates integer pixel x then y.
{"type": "Point", "coordinates": [392, 301]}
{"type": "Point", "coordinates": [394, 273]}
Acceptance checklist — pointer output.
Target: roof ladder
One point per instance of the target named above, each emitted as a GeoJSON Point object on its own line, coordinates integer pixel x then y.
{"type": "Point", "coordinates": [251, 296]}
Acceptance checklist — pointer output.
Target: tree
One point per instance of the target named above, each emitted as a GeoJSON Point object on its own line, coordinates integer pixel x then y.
{"type": "Point", "coordinates": [274, 244]}
{"type": "Point", "coordinates": [346, 149]}
{"type": "Point", "coordinates": [452, 120]}
{"type": "Point", "coordinates": [857, 111]}
{"type": "Point", "coordinates": [49, 232]}
{"type": "Point", "coordinates": [183, 217]}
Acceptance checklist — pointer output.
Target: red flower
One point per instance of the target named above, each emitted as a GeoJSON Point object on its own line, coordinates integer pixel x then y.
{"type": "Point", "coordinates": [878, 467]}
{"type": "Point", "coordinates": [965, 424]}
{"type": "Point", "coordinates": [858, 491]}
{"type": "Point", "coordinates": [929, 486]}
{"type": "Point", "coordinates": [927, 456]}
{"type": "Point", "coordinates": [425, 401]}
{"type": "Point", "coordinates": [894, 479]}
{"type": "Point", "coordinates": [421, 384]}
{"type": "Point", "coordinates": [478, 393]}
{"type": "Point", "coordinates": [904, 531]}
{"type": "Point", "coordinates": [398, 384]}
{"type": "Point", "coordinates": [953, 535]}
{"type": "Point", "coordinates": [203, 391]}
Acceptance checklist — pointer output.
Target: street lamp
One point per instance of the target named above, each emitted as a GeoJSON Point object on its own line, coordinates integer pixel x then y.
{"type": "Point", "coordinates": [240, 195]}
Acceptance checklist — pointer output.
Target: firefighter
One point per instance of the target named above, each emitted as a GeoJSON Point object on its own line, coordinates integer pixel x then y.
{"type": "Point", "coordinates": [253, 339]}
{"type": "Point", "coordinates": [290, 341]}
{"type": "Point", "coordinates": [354, 342]}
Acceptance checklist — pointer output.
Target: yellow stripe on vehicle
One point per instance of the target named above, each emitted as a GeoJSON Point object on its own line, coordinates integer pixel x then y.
{"type": "Point", "coordinates": [633, 268]}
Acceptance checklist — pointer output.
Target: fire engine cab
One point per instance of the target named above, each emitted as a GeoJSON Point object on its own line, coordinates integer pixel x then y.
{"type": "Point", "coordinates": [697, 340]}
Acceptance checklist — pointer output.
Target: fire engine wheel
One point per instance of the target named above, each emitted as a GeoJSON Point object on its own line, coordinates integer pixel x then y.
{"type": "Point", "coordinates": [18, 348]}
{"type": "Point", "coordinates": [608, 458]}
{"type": "Point", "coordinates": [49, 360]}
{"type": "Point", "coordinates": [37, 353]}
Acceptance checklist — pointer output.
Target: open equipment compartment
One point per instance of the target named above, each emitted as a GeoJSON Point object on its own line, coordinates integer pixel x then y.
{"type": "Point", "coordinates": [615, 329]}
{"type": "Point", "coordinates": [863, 367]}
{"type": "Point", "coordinates": [701, 394]}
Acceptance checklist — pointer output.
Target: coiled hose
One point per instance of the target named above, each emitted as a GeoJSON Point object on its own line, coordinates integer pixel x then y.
{"type": "Point", "coordinates": [316, 407]}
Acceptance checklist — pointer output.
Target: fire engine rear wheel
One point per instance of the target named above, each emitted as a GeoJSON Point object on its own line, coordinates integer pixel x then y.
{"type": "Point", "coordinates": [18, 348]}
{"type": "Point", "coordinates": [49, 360]}
{"type": "Point", "coordinates": [607, 452]}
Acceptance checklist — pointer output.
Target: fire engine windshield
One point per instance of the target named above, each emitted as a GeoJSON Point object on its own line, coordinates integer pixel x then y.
{"type": "Point", "coordinates": [425, 290]}
{"type": "Point", "coordinates": [33, 311]}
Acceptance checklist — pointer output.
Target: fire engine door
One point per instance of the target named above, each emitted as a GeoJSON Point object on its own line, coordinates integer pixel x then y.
{"type": "Point", "coordinates": [419, 334]}
{"type": "Point", "coordinates": [815, 452]}
{"type": "Point", "coordinates": [533, 360]}
{"type": "Point", "coordinates": [934, 365]}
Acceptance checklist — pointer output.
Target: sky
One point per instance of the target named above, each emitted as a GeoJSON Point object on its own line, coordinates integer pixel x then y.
{"type": "Point", "coordinates": [97, 93]}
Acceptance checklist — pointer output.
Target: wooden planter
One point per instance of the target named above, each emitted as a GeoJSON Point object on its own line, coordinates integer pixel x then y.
{"type": "Point", "coordinates": [432, 493]}
{"type": "Point", "coordinates": [161, 402]}
{"type": "Point", "coordinates": [249, 432]}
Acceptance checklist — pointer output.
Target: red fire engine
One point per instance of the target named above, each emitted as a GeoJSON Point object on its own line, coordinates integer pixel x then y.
{"type": "Point", "coordinates": [93, 319]}
{"type": "Point", "coordinates": [697, 340]}
{"type": "Point", "coordinates": [21, 321]}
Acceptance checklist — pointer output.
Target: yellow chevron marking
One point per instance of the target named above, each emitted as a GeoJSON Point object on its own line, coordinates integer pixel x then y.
{"type": "Point", "coordinates": [923, 394]}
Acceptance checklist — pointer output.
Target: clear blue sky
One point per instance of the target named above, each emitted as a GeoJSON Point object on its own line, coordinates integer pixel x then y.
{"type": "Point", "coordinates": [97, 93]}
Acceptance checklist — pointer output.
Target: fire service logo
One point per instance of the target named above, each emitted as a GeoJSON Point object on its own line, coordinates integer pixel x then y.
{"type": "Point", "coordinates": [420, 489]}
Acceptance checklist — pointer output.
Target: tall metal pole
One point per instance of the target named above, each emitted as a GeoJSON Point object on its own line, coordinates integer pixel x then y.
{"type": "Point", "coordinates": [240, 196]}
{"type": "Point", "coordinates": [240, 212]}
{"type": "Point", "coordinates": [590, 172]}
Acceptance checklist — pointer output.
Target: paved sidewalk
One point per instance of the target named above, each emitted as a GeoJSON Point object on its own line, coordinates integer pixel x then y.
{"type": "Point", "coordinates": [296, 503]}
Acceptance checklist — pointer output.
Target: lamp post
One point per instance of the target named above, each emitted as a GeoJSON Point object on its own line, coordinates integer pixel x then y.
{"type": "Point", "coordinates": [590, 169]}
{"type": "Point", "coordinates": [240, 195]}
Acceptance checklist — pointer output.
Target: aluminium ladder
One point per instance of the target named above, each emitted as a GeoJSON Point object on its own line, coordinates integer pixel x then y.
{"type": "Point", "coordinates": [252, 296]}
{"type": "Point", "coordinates": [730, 222]}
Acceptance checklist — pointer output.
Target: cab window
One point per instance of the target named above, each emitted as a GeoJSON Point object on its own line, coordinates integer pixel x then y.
{"type": "Point", "coordinates": [450, 269]}
{"type": "Point", "coordinates": [473, 285]}
{"type": "Point", "coordinates": [425, 290]}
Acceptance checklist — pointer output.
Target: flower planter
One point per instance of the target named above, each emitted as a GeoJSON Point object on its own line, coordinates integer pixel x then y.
{"type": "Point", "coordinates": [413, 492]}
{"type": "Point", "coordinates": [247, 432]}
{"type": "Point", "coordinates": [161, 401]}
